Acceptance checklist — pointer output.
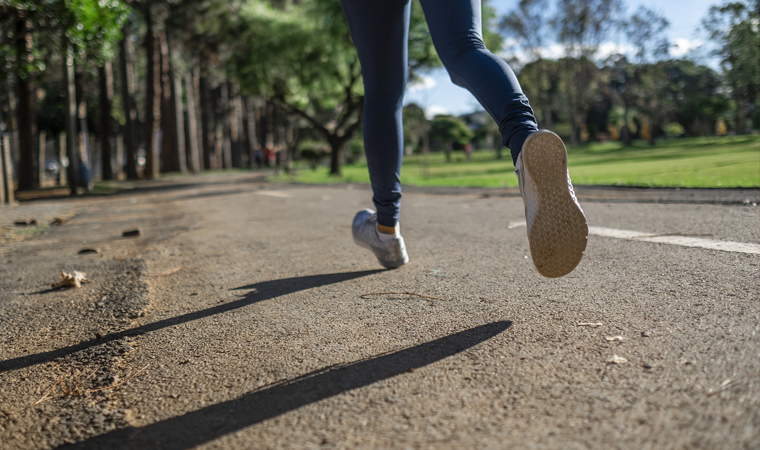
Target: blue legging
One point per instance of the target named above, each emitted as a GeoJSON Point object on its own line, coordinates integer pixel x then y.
{"type": "Point", "coordinates": [380, 30]}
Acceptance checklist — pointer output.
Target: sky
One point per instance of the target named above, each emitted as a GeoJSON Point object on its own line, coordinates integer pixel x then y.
{"type": "Point", "coordinates": [438, 95]}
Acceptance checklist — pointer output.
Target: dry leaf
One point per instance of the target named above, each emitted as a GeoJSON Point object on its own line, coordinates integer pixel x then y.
{"type": "Point", "coordinates": [617, 360]}
{"type": "Point", "coordinates": [165, 273]}
{"type": "Point", "coordinates": [613, 338]}
{"type": "Point", "coordinates": [74, 278]}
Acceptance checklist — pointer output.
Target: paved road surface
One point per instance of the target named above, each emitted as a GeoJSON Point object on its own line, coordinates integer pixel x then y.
{"type": "Point", "coordinates": [278, 332]}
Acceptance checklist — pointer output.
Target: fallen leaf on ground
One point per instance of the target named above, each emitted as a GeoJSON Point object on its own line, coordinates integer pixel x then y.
{"type": "Point", "coordinates": [613, 338]}
{"type": "Point", "coordinates": [74, 278]}
{"type": "Point", "coordinates": [617, 360]}
{"type": "Point", "coordinates": [165, 273]}
{"type": "Point", "coordinates": [589, 324]}
{"type": "Point", "coordinates": [725, 383]}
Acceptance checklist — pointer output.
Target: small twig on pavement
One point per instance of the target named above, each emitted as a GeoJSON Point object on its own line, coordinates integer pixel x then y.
{"type": "Point", "coordinates": [400, 293]}
{"type": "Point", "coordinates": [78, 391]}
{"type": "Point", "coordinates": [117, 384]}
{"type": "Point", "coordinates": [49, 390]}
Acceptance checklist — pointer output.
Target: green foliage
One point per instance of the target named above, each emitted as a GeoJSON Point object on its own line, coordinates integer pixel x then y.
{"type": "Point", "coordinates": [416, 125]}
{"type": "Point", "coordinates": [94, 26]}
{"type": "Point", "coordinates": [448, 130]}
{"type": "Point", "coordinates": [674, 129]}
{"type": "Point", "coordinates": [540, 80]}
{"type": "Point", "coordinates": [735, 28]}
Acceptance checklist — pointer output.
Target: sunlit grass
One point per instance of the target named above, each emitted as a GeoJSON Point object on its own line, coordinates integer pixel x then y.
{"type": "Point", "coordinates": [690, 162]}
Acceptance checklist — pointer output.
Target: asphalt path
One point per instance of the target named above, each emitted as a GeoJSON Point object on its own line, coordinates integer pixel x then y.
{"type": "Point", "coordinates": [244, 316]}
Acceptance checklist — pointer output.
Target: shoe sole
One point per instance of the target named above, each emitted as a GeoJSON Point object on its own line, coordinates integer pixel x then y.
{"type": "Point", "coordinates": [387, 265]}
{"type": "Point", "coordinates": [559, 232]}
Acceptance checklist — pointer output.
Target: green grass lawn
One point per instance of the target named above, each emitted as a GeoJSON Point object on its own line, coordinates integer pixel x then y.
{"type": "Point", "coordinates": [689, 162]}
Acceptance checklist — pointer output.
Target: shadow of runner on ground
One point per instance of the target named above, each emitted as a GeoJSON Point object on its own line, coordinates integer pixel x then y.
{"type": "Point", "coordinates": [261, 291]}
{"type": "Point", "coordinates": [212, 422]}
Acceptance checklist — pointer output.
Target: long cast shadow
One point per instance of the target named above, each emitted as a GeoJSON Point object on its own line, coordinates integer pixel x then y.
{"type": "Point", "coordinates": [260, 291]}
{"type": "Point", "coordinates": [212, 422]}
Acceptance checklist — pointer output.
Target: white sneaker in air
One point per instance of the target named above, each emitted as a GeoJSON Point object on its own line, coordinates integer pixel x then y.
{"type": "Point", "coordinates": [390, 253]}
{"type": "Point", "coordinates": [557, 229]}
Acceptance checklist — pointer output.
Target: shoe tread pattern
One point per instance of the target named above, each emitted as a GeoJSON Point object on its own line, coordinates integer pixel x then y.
{"type": "Point", "coordinates": [559, 232]}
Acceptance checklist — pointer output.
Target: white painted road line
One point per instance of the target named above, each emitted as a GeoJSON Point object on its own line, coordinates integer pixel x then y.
{"type": "Point", "coordinates": [683, 241]}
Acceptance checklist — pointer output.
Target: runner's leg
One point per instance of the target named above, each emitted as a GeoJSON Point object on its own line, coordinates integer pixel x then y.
{"type": "Point", "coordinates": [455, 26]}
{"type": "Point", "coordinates": [380, 30]}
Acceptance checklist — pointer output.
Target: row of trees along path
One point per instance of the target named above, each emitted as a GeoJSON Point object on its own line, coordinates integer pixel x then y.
{"type": "Point", "coordinates": [193, 85]}
{"type": "Point", "coordinates": [189, 85]}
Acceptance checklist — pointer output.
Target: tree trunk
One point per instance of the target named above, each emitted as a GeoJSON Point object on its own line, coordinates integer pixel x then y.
{"type": "Point", "coordinates": [119, 173]}
{"type": "Point", "coordinates": [3, 142]}
{"type": "Point", "coordinates": [218, 128]}
{"type": "Point", "coordinates": [13, 113]}
{"type": "Point", "coordinates": [180, 123]}
{"type": "Point", "coordinates": [206, 128]}
{"type": "Point", "coordinates": [105, 75]}
{"type": "Point", "coordinates": [61, 158]}
{"type": "Point", "coordinates": [291, 141]}
{"type": "Point", "coordinates": [27, 173]}
{"type": "Point", "coordinates": [336, 156]}
{"type": "Point", "coordinates": [85, 150]}
{"type": "Point", "coordinates": [625, 132]}
{"type": "Point", "coordinates": [41, 158]}
{"type": "Point", "coordinates": [236, 126]}
{"type": "Point", "coordinates": [219, 145]}
{"type": "Point", "coordinates": [6, 163]}
{"type": "Point", "coordinates": [250, 131]}
{"type": "Point", "coordinates": [577, 130]}
{"type": "Point", "coordinates": [192, 124]}
{"type": "Point", "coordinates": [71, 115]}
{"type": "Point", "coordinates": [265, 124]}
{"type": "Point", "coordinates": [128, 103]}
{"type": "Point", "coordinates": [153, 100]}
{"type": "Point", "coordinates": [170, 159]}
{"type": "Point", "coordinates": [227, 122]}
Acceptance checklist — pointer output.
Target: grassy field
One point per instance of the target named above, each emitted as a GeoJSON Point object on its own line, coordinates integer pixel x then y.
{"type": "Point", "coordinates": [689, 162]}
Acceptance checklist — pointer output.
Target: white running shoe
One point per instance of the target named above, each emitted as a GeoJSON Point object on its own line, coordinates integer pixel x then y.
{"type": "Point", "coordinates": [390, 253]}
{"type": "Point", "coordinates": [557, 229]}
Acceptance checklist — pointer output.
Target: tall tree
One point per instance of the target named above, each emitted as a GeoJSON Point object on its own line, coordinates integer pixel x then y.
{"type": "Point", "coordinates": [27, 173]}
{"type": "Point", "coordinates": [582, 26]}
{"type": "Point", "coordinates": [303, 57]}
{"type": "Point", "coordinates": [734, 28]}
{"type": "Point", "coordinates": [105, 84]}
{"type": "Point", "coordinates": [528, 24]}
{"type": "Point", "coordinates": [128, 88]}
{"type": "Point", "coordinates": [152, 96]}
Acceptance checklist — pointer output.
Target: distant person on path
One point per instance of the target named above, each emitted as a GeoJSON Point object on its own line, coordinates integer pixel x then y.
{"type": "Point", "coordinates": [269, 154]}
{"type": "Point", "coordinates": [557, 229]}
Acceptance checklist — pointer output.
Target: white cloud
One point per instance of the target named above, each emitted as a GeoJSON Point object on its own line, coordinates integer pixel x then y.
{"type": "Point", "coordinates": [607, 49]}
{"type": "Point", "coordinates": [424, 83]}
{"type": "Point", "coordinates": [683, 46]}
{"type": "Point", "coordinates": [434, 110]}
